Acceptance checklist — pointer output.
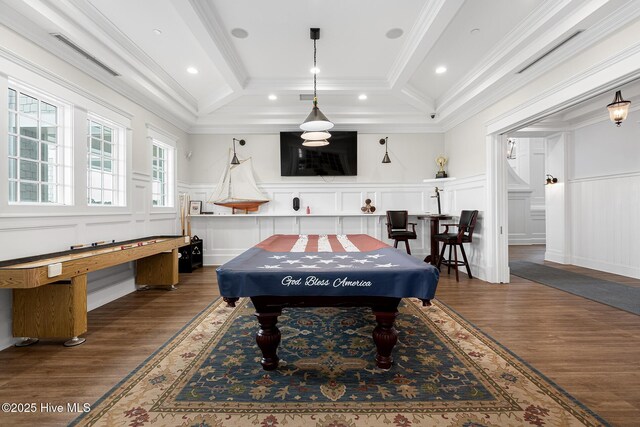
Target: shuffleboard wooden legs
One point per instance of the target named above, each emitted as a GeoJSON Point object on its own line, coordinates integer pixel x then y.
{"type": "Point", "coordinates": [268, 339]}
{"type": "Point", "coordinates": [385, 337]}
{"type": "Point", "coordinates": [58, 310]}
{"type": "Point", "coordinates": [158, 270]}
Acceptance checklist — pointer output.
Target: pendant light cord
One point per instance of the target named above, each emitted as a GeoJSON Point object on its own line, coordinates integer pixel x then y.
{"type": "Point", "coordinates": [315, 74]}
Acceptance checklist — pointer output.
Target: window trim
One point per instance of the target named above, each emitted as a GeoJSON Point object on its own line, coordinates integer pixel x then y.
{"type": "Point", "coordinates": [64, 162]}
{"type": "Point", "coordinates": [119, 165]}
{"type": "Point", "coordinates": [165, 169]}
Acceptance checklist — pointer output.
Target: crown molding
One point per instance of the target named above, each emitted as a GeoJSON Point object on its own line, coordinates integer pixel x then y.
{"type": "Point", "coordinates": [482, 100]}
{"type": "Point", "coordinates": [249, 129]}
{"type": "Point", "coordinates": [213, 39]}
{"type": "Point", "coordinates": [45, 73]}
{"type": "Point", "coordinates": [617, 70]}
{"type": "Point", "coordinates": [417, 99]}
{"type": "Point", "coordinates": [23, 27]}
{"type": "Point", "coordinates": [215, 100]}
{"type": "Point", "coordinates": [296, 86]}
{"type": "Point", "coordinates": [150, 69]}
{"type": "Point", "coordinates": [517, 36]}
{"type": "Point", "coordinates": [151, 128]}
{"type": "Point", "coordinates": [433, 19]}
{"type": "Point", "coordinates": [81, 29]}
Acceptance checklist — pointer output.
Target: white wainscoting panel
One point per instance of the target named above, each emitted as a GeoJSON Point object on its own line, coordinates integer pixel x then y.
{"type": "Point", "coordinates": [526, 222]}
{"type": "Point", "coordinates": [604, 213]}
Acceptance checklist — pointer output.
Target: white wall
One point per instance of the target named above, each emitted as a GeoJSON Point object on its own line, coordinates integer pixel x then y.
{"type": "Point", "coordinates": [527, 193]}
{"type": "Point", "coordinates": [558, 247]}
{"type": "Point", "coordinates": [602, 174]}
{"type": "Point", "coordinates": [35, 230]}
{"type": "Point", "coordinates": [412, 158]}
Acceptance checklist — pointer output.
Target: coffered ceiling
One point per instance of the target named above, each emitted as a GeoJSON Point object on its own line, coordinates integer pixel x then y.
{"type": "Point", "coordinates": [151, 43]}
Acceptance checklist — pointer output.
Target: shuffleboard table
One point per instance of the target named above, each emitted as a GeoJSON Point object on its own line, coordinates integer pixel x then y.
{"type": "Point", "coordinates": [50, 291]}
{"type": "Point", "coordinates": [356, 270]}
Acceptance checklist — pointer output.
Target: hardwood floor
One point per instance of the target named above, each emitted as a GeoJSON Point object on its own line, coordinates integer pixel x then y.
{"type": "Point", "coordinates": [589, 349]}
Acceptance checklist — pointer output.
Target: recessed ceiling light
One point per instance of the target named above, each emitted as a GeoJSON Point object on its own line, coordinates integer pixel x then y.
{"type": "Point", "coordinates": [314, 70]}
{"type": "Point", "coordinates": [394, 33]}
{"type": "Point", "coordinates": [362, 97]}
{"type": "Point", "coordinates": [192, 70]}
{"type": "Point", "coordinates": [239, 33]}
{"type": "Point", "coordinates": [441, 70]}
{"type": "Point", "coordinates": [475, 31]}
{"type": "Point", "coordinates": [273, 97]}
{"type": "Point", "coordinates": [157, 31]}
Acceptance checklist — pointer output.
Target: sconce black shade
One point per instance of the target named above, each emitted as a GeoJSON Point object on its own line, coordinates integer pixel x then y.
{"type": "Point", "coordinates": [385, 142]}
{"type": "Point", "coordinates": [234, 160]}
{"type": "Point", "coordinates": [296, 203]}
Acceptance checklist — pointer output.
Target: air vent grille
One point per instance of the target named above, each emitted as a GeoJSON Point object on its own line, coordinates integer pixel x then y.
{"type": "Point", "coordinates": [550, 51]}
{"type": "Point", "coordinates": [306, 97]}
{"type": "Point", "coordinates": [84, 53]}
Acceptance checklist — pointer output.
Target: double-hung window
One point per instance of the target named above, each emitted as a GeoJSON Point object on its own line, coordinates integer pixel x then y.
{"type": "Point", "coordinates": [39, 156]}
{"type": "Point", "coordinates": [106, 175]}
{"type": "Point", "coordinates": [162, 174]}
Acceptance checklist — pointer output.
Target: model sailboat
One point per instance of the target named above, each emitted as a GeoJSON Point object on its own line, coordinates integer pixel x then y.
{"type": "Point", "coordinates": [237, 189]}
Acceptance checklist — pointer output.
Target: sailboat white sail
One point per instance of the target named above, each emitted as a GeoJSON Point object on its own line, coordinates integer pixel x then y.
{"type": "Point", "coordinates": [237, 188]}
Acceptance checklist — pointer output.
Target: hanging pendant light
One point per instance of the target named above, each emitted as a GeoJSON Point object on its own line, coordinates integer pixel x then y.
{"type": "Point", "coordinates": [315, 121]}
{"type": "Point", "coordinates": [385, 142]}
{"type": "Point", "coordinates": [235, 160]}
{"type": "Point", "coordinates": [618, 109]}
{"type": "Point", "coordinates": [316, 143]}
{"type": "Point", "coordinates": [315, 138]}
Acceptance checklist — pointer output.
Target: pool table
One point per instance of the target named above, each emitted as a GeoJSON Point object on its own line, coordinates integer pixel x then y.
{"type": "Point", "coordinates": [355, 270]}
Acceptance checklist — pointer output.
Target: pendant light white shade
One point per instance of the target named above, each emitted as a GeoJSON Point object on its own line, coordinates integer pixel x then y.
{"type": "Point", "coordinates": [317, 143]}
{"type": "Point", "coordinates": [618, 109]}
{"type": "Point", "coordinates": [315, 135]}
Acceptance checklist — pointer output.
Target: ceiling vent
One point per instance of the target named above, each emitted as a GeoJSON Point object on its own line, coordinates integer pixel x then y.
{"type": "Point", "coordinates": [84, 53]}
{"type": "Point", "coordinates": [550, 51]}
{"type": "Point", "coordinates": [306, 97]}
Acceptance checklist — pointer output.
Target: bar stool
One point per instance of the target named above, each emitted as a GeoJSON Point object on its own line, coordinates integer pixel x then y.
{"type": "Point", "coordinates": [398, 228]}
{"type": "Point", "coordinates": [464, 235]}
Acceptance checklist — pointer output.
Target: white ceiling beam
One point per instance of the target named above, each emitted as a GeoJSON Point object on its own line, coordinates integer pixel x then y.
{"type": "Point", "coordinates": [208, 28]}
{"type": "Point", "coordinates": [221, 97]}
{"type": "Point", "coordinates": [305, 86]}
{"type": "Point", "coordinates": [434, 18]}
{"type": "Point", "coordinates": [415, 98]}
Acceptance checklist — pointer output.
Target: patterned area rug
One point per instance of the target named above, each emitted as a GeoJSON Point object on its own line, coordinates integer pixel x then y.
{"type": "Point", "coordinates": [446, 373]}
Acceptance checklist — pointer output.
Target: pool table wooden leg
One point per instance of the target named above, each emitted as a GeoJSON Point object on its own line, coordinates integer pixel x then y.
{"type": "Point", "coordinates": [385, 337]}
{"type": "Point", "coordinates": [231, 302]}
{"type": "Point", "coordinates": [268, 339]}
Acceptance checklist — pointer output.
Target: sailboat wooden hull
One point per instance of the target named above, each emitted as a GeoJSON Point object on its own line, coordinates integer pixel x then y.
{"type": "Point", "coordinates": [246, 206]}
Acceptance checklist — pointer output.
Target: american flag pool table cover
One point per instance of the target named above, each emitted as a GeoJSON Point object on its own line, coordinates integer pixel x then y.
{"type": "Point", "coordinates": [326, 265]}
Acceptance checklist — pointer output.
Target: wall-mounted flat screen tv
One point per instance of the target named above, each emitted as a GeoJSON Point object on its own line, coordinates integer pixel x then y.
{"type": "Point", "coordinates": [339, 158]}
